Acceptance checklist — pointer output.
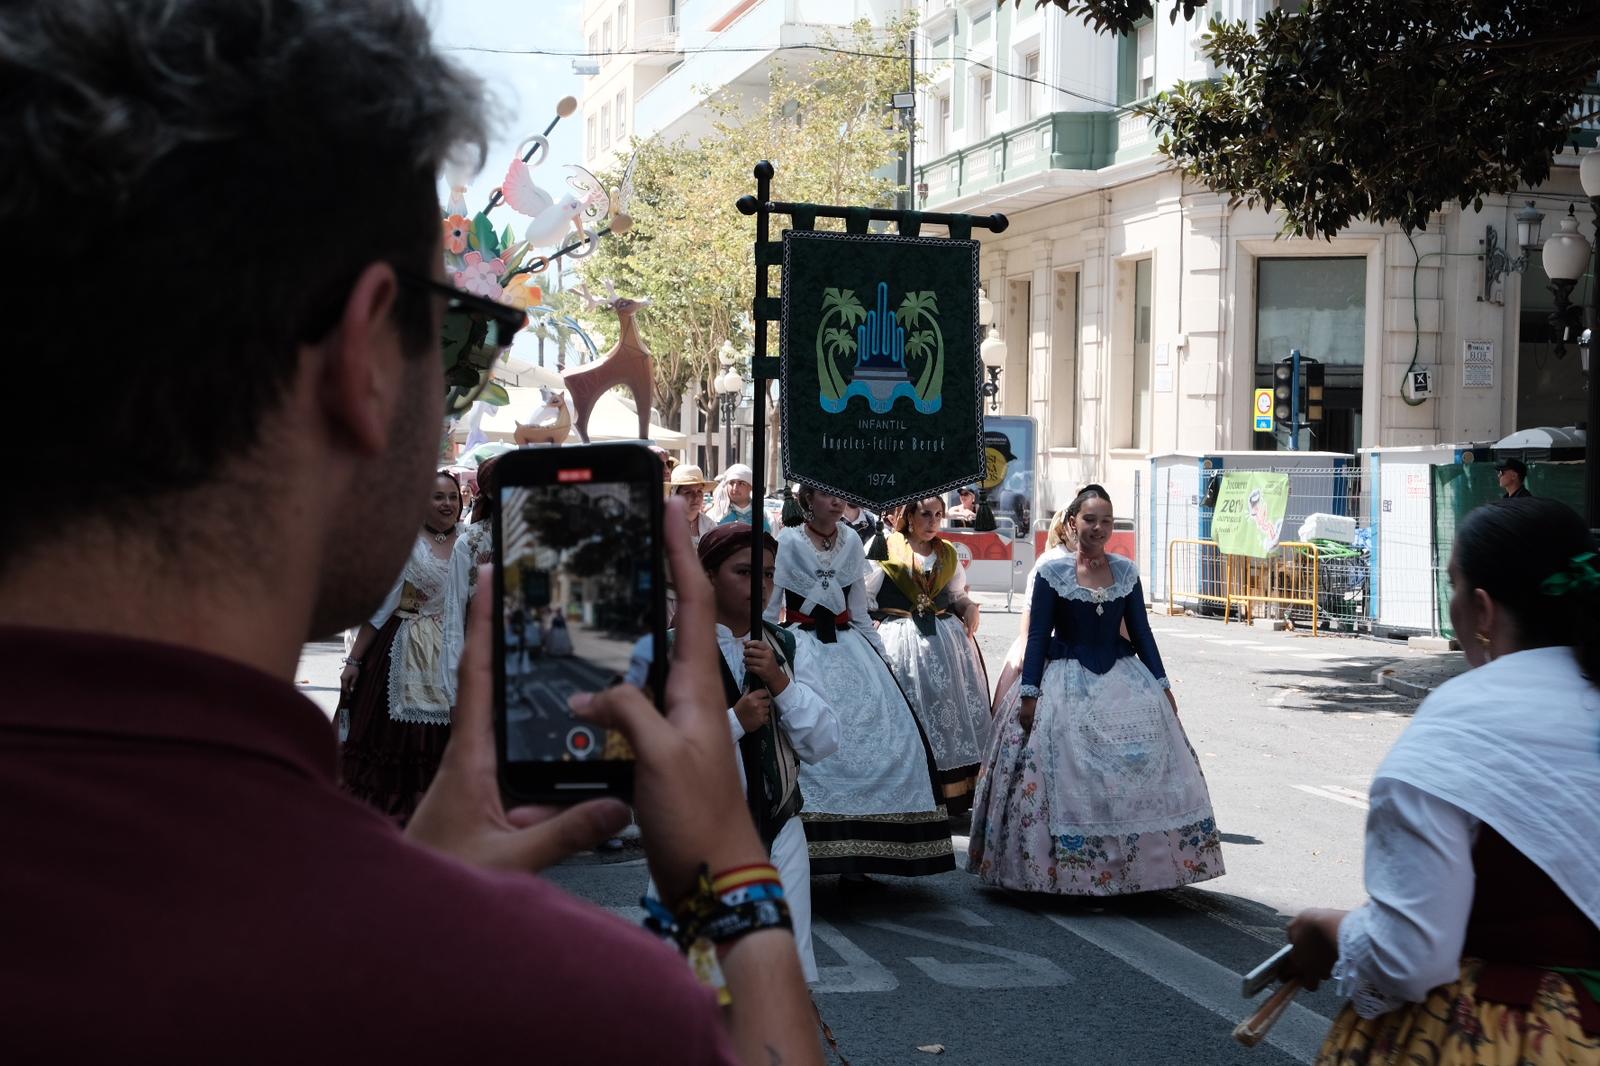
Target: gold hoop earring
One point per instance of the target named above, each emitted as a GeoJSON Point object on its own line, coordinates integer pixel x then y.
{"type": "Point", "coordinates": [1483, 639]}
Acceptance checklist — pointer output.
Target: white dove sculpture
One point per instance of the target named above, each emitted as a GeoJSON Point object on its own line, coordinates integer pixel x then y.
{"type": "Point", "coordinates": [552, 219]}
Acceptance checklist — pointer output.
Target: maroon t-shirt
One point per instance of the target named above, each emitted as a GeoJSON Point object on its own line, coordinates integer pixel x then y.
{"type": "Point", "coordinates": [182, 881]}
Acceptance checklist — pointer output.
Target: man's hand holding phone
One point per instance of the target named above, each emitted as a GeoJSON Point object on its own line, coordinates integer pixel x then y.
{"type": "Point", "coordinates": [462, 813]}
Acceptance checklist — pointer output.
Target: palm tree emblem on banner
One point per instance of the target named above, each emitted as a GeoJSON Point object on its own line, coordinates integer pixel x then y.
{"type": "Point", "coordinates": [880, 354]}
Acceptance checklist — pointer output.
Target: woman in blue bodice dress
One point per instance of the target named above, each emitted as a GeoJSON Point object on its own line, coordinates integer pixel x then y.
{"type": "Point", "coordinates": [1089, 786]}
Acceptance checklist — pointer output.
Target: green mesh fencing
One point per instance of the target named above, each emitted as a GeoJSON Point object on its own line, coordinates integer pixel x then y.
{"type": "Point", "coordinates": [1459, 488]}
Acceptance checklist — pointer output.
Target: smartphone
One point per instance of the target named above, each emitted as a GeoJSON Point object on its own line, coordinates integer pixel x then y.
{"type": "Point", "coordinates": [1264, 974]}
{"type": "Point", "coordinates": [578, 583]}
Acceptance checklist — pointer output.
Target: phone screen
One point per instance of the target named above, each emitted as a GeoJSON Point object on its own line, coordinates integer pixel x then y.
{"type": "Point", "coordinates": [579, 590]}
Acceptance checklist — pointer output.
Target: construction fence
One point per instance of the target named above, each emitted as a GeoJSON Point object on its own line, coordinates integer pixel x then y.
{"type": "Point", "coordinates": [1314, 584]}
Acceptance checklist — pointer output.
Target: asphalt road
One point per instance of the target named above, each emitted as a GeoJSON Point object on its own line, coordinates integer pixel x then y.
{"type": "Point", "coordinates": [1289, 729]}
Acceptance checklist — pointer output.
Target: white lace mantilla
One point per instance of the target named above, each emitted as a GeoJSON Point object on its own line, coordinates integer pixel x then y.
{"type": "Point", "coordinates": [819, 577]}
{"type": "Point", "coordinates": [1062, 575]}
{"type": "Point", "coordinates": [418, 691]}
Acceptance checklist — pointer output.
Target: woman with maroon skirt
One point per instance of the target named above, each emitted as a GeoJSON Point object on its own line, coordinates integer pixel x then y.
{"type": "Point", "coordinates": [395, 714]}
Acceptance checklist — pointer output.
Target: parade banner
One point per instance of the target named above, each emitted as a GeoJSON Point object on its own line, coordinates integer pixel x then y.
{"type": "Point", "coordinates": [1249, 515]}
{"type": "Point", "coordinates": [881, 400]}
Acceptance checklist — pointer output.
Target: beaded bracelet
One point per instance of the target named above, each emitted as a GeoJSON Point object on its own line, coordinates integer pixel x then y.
{"type": "Point", "coordinates": [704, 918]}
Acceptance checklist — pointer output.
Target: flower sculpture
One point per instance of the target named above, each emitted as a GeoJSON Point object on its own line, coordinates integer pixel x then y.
{"type": "Point", "coordinates": [498, 265]}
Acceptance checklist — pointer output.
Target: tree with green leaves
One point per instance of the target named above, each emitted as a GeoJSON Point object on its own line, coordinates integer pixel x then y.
{"type": "Point", "coordinates": [1378, 109]}
{"type": "Point", "coordinates": [826, 125]}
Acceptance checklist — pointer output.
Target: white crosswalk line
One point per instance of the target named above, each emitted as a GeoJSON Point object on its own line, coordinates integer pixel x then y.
{"type": "Point", "coordinates": [1209, 984]}
{"type": "Point", "coordinates": [1354, 799]}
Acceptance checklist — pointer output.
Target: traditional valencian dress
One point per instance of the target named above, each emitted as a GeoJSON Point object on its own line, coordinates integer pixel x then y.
{"type": "Point", "coordinates": [1104, 795]}
{"type": "Point", "coordinates": [399, 713]}
{"type": "Point", "coordinates": [870, 807]}
{"type": "Point", "coordinates": [1480, 942]}
{"type": "Point", "coordinates": [919, 601]}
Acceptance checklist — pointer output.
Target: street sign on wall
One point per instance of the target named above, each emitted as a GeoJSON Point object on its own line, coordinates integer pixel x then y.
{"type": "Point", "coordinates": [881, 398]}
{"type": "Point", "coordinates": [1264, 410]}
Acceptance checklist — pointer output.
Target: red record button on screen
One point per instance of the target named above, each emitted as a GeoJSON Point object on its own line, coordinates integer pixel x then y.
{"type": "Point", "coordinates": [580, 742]}
{"type": "Point", "coordinates": [579, 474]}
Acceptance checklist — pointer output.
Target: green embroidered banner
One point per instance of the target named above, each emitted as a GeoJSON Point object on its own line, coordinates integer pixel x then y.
{"type": "Point", "coordinates": [881, 374]}
{"type": "Point", "coordinates": [1249, 516]}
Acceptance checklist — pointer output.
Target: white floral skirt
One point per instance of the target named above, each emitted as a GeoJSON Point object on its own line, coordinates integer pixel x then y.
{"type": "Point", "coordinates": [943, 678]}
{"type": "Point", "coordinates": [1103, 796]}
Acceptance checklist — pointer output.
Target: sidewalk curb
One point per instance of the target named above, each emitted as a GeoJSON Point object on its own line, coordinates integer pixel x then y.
{"type": "Point", "coordinates": [1385, 676]}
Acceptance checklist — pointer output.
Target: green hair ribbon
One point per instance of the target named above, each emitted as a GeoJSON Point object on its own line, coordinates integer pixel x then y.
{"type": "Point", "coordinates": [1580, 573]}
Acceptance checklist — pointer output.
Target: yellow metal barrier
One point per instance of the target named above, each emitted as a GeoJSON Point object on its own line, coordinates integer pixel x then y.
{"type": "Point", "coordinates": [1198, 571]}
{"type": "Point", "coordinates": [1288, 577]}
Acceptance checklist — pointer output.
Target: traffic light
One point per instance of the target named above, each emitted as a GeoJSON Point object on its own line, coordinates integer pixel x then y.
{"type": "Point", "coordinates": [1283, 385]}
{"type": "Point", "coordinates": [1311, 374]}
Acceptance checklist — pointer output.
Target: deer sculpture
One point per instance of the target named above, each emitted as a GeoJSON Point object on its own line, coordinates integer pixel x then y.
{"type": "Point", "coordinates": [626, 364]}
{"type": "Point", "coordinates": [550, 424]}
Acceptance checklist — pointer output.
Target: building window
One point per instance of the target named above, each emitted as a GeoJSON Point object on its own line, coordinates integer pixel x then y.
{"type": "Point", "coordinates": [1063, 413]}
{"type": "Point", "coordinates": [1143, 311]}
{"type": "Point", "coordinates": [983, 106]}
{"type": "Point", "coordinates": [1146, 46]}
{"type": "Point", "coordinates": [605, 37]}
{"type": "Point", "coordinates": [1318, 305]}
{"type": "Point", "coordinates": [944, 140]}
{"type": "Point", "coordinates": [605, 125]}
{"type": "Point", "coordinates": [622, 114]}
{"type": "Point", "coordinates": [594, 46]}
{"type": "Point", "coordinates": [588, 140]}
{"type": "Point", "coordinates": [1128, 399]}
{"type": "Point", "coordinates": [982, 27]}
{"type": "Point", "coordinates": [1032, 91]}
{"type": "Point", "coordinates": [1136, 63]}
{"type": "Point", "coordinates": [622, 24]}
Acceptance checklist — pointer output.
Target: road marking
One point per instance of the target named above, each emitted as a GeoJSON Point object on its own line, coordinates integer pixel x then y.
{"type": "Point", "coordinates": [860, 972]}
{"type": "Point", "coordinates": [1338, 795]}
{"type": "Point", "coordinates": [1019, 970]}
{"type": "Point", "coordinates": [1299, 1032]}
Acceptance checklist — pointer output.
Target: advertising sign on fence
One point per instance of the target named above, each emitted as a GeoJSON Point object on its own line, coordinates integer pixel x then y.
{"type": "Point", "coordinates": [1250, 510]}
{"type": "Point", "coordinates": [880, 365]}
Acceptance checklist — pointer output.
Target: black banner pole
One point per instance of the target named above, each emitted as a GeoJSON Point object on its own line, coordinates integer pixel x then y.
{"type": "Point", "coordinates": [758, 446]}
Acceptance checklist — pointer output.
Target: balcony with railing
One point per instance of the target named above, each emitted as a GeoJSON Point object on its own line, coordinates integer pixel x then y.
{"type": "Point", "coordinates": [657, 42]}
{"type": "Point", "coordinates": [1063, 140]}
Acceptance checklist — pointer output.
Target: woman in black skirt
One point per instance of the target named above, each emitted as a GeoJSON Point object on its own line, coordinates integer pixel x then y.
{"type": "Point", "coordinates": [395, 711]}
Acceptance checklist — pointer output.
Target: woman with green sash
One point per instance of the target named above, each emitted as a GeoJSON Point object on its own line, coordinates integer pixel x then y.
{"type": "Point", "coordinates": [927, 624]}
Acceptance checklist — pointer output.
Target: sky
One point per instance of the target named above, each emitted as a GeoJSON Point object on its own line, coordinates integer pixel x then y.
{"type": "Point", "coordinates": [523, 88]}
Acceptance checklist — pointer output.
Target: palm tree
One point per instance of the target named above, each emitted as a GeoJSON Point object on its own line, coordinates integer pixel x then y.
{"type": "Point", "coordinates": [840, 304]}
{"type": "Point", "coordinates": [916, 308]}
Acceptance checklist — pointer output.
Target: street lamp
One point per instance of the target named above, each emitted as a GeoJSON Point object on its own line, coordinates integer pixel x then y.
{"type": "Point", "coordinates": [1496, 264]}
{"type": "Point", "coordinates": [992, 351]}
{"type": "Point", "coordinates": [729, 386]}
{"type": "Point", "coordinates": [1589, 176]}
